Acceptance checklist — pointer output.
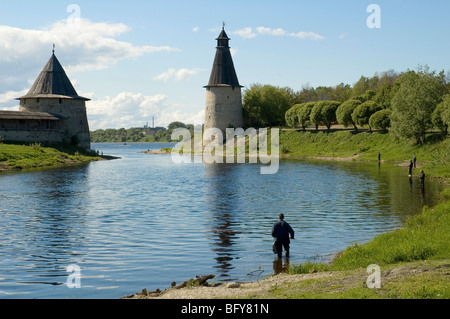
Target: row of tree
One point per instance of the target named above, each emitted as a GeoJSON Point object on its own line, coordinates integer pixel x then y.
{"type": "Point", "coordinates": [137, 134]}
{"type": "Point", "coordinates": [408, 104]}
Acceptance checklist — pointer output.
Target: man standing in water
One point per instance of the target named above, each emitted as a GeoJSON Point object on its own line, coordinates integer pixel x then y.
{"type": "Point", "coordinates": [280, 232]}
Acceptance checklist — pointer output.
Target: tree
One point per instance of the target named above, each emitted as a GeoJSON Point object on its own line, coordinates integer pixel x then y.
{"type": "Point", "coordinates": [384, 96]}
{"type": "Point", "coordinates": [381, 120]}
{"type": "Point", "coordinates": [304, 113]}
{"type": "Point", "coordinates": [345, 111]}
{"type": "Point", "coordinates": [360, 87]}
{"type": "Point", "coordinates": [324, 112]}
{"type": "Point", "coordinates": [361, 115]}
{"type": "Point", "coordinates": [175, 125]}
{"type": "Point", "coordinates": [291, 115]}
{"type": "Point", "coordinates": [441, 115]}
{"type": "Point", "coordinates": [416, 98]}
{"type": "Point", "coordinates": [266, 105]}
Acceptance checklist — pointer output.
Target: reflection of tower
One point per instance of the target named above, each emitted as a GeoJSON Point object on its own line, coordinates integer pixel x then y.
{"type": "Point", "coordinates": [223, 92]}
{"type": "Point", "coordinates": [221, 199]}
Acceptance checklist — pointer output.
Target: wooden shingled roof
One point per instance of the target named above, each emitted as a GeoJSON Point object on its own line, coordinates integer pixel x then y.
{"type": "Point", "coordinates": [223, 72]}
{"type": "Point", "coordinates": [17, 115]}
{"type": "Point", "coordinates": [53, 82]}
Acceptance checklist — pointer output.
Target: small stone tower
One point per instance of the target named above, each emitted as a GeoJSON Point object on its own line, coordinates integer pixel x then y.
{"type": "Point", "coordinates": [223, 92]}
{"type": "Point", "coordinates": [53, 93]}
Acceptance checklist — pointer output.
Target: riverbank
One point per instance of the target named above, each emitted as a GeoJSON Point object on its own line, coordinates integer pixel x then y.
{"type": "Point", "coordinates": [433, 156]}
{"type": "Point", "coordinates": [414, 263]}
{"type": "Point", "coordinates": [15, 157]}
{"type": "Point", "coordinates": [414, 260]}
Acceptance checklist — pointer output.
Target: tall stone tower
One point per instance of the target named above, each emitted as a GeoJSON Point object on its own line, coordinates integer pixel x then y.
{"type": "Point", "coordinates": [223, 92]}
{"type": "Point", "coordinates": [53, 93]}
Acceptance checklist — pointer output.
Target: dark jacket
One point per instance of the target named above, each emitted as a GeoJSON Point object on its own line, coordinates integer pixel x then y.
{"type": "Point", "coordinates": [281, 231]}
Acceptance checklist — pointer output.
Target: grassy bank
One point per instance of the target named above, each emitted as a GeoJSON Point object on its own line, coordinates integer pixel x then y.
{"type": "Point", "coordinates": [22, 157]}
{"type": "Point", "coordinates": [433, 156]}
{"type": "Point", "coordinates": [420, 248]}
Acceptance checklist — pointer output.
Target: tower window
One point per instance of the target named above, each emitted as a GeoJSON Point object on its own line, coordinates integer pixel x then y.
{"type": "Point", "coordinates": [60, 101]}
{"type": "Point", "coordinates": [38, 100]}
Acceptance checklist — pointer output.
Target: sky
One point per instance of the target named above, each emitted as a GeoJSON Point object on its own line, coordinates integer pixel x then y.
{"type": "Point", "coordinates": [138, 60]}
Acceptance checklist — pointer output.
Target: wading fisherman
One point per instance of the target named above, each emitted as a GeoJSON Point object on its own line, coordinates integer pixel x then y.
{"type": "Point", "coordinates": [280, 232]}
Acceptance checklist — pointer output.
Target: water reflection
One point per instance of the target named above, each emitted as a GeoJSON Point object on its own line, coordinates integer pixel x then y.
{"type": "Point", "coordinates": [222, 202]}
{"type": "Point", "coordinates": [144, 222]}
{"type": "Point", "coordinates": [51, 214]}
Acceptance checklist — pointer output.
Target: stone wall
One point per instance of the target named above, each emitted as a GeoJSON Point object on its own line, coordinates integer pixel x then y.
{"type": "Point", "coordinates": [74, 123]}
{"type": "Point", "coordinates": [223, 107]}
{"type": "Point", "coordinates": [36, 136]}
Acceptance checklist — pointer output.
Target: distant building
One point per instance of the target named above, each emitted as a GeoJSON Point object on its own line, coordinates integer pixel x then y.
{"type": "Point", "coordinates": [52, 112]}
{"type": "Point", "coordinates": [223, 92]}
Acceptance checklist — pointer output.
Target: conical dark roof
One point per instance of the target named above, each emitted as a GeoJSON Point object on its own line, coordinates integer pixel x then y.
{"type": "Point", "coordinates": [223, 72]}
{"type": "Point", "coordinates": [53, 82]}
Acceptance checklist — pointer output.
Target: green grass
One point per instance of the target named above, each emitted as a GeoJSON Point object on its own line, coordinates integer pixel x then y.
{"type": "Point", "coordinates": [433, 156]}
{"type": "Point", "coordinates": [423, 237]}
{"type": "Point", "coordinates": [22, 157]}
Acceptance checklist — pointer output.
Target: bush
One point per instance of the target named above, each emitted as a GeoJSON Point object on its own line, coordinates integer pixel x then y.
{"type": "Point", "coordinates": [324, 112]}
{"type": "Point", "coordinates": [345, 111]}
{"type": "Point", "coordinates": [441, 115]}
{"type": "Point", "coordinates": [380, 120]}
{"type": "Point", "coordinates": [361, 115]}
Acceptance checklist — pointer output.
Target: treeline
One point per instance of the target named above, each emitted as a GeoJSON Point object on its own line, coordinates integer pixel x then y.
{"type": "Point", "coordinates": [407, 104]}
{"type": "Point", "coordinates": [137, 134]}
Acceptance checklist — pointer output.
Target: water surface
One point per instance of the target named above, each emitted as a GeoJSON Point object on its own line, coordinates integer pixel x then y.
{"type": "Point", "coordinates": [143, 221]}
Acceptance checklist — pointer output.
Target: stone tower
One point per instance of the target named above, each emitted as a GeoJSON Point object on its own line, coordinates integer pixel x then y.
{"type": "Point", "coordinates": [53, 93]}
{"type": "Point", "coordinates": [223, 92]}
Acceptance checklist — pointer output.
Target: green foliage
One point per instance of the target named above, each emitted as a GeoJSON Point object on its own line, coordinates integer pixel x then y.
{"type": "Point", "coordinates": [381, 120]}
{"type": "Point", "coordinates": [266, 105]}
{"type": "Point", "coordinates": [361, 115]}
{"type": "Point", "coordinates": [175, 125]}
{"type": "Point", "coordinates": [414, 102]}
{"type": "Point", "coordinates": [441, 115]}
{"type": "Point", "coordinates": [299, 114]}
{"type": "Point", "coordinates": [345, 111]}
{"type": "Point", "coordinates": [384, 96]}
{"type": "Point", "coordinates": [324, 112]}
{"type": "Point", "coordinates": [304, 113]}
{"type": "Point", "coordinates": [291, 116]}
{"type": "Point", "coordinates": [137, 135]}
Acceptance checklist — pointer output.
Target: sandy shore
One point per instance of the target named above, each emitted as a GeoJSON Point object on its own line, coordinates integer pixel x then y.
{"type": "Point", "coordinates": [320, 284]}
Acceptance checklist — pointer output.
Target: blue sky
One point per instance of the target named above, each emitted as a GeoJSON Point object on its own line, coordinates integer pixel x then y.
{"type": "Point", "coordinates": [139, 59]}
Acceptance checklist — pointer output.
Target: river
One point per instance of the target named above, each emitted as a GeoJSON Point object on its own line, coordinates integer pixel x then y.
{"type": "Point", "coordinates": [143, 221]}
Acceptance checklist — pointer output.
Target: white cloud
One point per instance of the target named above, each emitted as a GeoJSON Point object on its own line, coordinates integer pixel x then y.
{"type": "Point", "coordinates": [246, 33]}
{"type": "Point", "coordinates": [129, 109]}
{"type": "Point", "coordinates": [269, 31]}
{"type": "Point", "coordinates": [343, 35]}
{"type": "Point", "coordinates": [85, 46]}
{"type": "Point", "coordinates": [195, 29]}
{"type": "Point", "coordinates": [307, 35]}
{"type": "Point", "coordinates": [178, 75]}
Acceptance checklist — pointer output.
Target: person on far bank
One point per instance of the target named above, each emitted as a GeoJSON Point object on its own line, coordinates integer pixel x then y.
{"type": "Point", "coordinates": [280, 232]}
{"type": "Point", "coordinates": [414, 159]}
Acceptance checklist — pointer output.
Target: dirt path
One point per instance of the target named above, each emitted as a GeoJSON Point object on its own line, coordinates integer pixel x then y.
{"type": "Point", "coordinates": [396, 281]}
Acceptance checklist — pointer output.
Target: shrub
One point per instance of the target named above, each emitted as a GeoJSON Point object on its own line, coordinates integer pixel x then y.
{"type": "Point", "coordinates": [380, 120]}
{"type": "Point", "coordinates": [344, 113]}
{"type": "Point", "coordinates": [361, 115]}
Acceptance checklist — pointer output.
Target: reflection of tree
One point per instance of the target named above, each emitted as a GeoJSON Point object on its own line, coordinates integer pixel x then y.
{"type": "Point", "coordinates": [222, 196]}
